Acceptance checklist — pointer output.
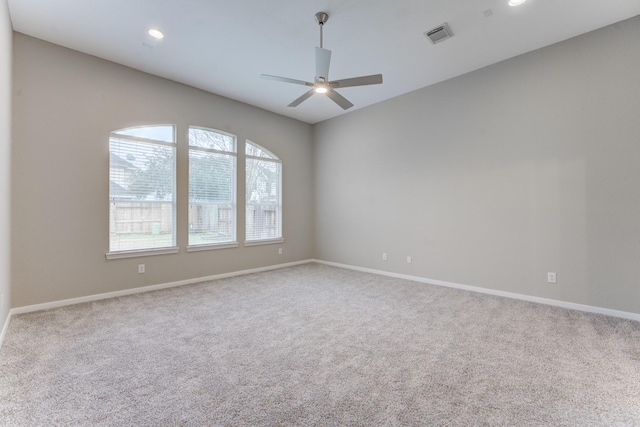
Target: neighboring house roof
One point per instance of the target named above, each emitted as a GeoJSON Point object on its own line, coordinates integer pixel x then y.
{"type": "Point", "coordinates": [118, 162]}
{"type": "Point", "coordinates": [117, 191]}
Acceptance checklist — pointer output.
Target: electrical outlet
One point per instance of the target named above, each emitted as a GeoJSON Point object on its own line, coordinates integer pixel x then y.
{"type": "Point", "coordinates": [551, 277]}
{"type": "Point", "coordinates": [140, 268]}
{"type": "Point", "coordinates": [408, 259]}
{"type": "Point", "coordinates": [279, 251]}
{"type": "Point", "coordinates": [384, 256]}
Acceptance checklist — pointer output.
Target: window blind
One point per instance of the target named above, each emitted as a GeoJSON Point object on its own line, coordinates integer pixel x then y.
{"type": "Point", "coordinates": [212, 187]}
{"type": "Point", "coordinates": [263, 194]}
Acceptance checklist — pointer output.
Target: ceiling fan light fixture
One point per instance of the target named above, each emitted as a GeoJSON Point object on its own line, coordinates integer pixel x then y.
{"type": "Point", "coordinates": [321, 89]}
{"type": "Point", "coordinates": [516, 2]}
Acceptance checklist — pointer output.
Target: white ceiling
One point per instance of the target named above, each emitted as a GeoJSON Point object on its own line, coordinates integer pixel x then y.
{"type": "Point", "coordinates": [223, 46]}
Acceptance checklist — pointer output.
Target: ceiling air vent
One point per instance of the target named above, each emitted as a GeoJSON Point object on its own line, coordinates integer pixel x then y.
{"type": "Point", "coordinates": [439, 34]}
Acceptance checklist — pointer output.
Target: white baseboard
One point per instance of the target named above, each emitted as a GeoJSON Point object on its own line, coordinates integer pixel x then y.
{"type": "Point", "coordinates": [97, 297]}
{"type": "Point", "coordinates": [89, 298]}
{"type": "Point", "coordinates": [539, 300]}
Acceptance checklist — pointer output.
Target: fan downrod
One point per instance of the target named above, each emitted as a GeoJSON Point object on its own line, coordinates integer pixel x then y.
{"type": "Point", "coordinates": [321, 19]}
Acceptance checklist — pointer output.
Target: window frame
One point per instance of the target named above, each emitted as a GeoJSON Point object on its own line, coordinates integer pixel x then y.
{"type": "Point", "coordinates": [148, 251]}
{"type": "Point", "coordinates": [279, 225]}
{"type": "Point", "coordinates": [177, 154]}
{"type": "Point", "coordinates": [234, 211]}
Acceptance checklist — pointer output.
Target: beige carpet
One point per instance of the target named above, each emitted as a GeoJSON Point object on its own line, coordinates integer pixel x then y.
{"type": "Point", "coordinates": [314, 345]}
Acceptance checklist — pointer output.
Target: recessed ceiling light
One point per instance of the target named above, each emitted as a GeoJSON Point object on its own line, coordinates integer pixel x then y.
{"type": "Point", "coordinates": [155, 33]}
{"type": "Point", "coordinates": [516, 2]}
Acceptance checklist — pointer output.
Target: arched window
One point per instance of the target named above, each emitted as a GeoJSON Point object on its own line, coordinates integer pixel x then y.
{"type": "Point", "coordinates": [212, 188]}
{"type": "Point", "coordinates": [142, 197]}
{"type": "Point", "coordinates": [263, 195]}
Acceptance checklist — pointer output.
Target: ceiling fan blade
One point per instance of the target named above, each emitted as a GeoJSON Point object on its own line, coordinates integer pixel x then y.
{"type": "Point", "coordinates": [374, 79]}
{"type": "Point", "coordinates": [339, 99]}
{"type": "Point", "coordinates": [286, 80]}
{"type": "Point", "coordinates": [302, 98]}
{"type": "Point", "coordinates": [323, 59]}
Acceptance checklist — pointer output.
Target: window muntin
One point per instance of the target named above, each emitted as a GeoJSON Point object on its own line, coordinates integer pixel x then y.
{"type": "Point", "coordinates": [164, 133]}
{"type": "Point", "coordinates": [263, 194]}
{"type": "Point", "coordinates": [212, 187]}
{"type": "Point", "coordinates": [142, 164]}
{"type": "Point", "coordinates": [254, 150]}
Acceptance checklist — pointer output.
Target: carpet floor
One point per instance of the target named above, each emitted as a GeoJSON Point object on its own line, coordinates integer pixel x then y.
{"type": "Point", "coordinates": [314, 345]}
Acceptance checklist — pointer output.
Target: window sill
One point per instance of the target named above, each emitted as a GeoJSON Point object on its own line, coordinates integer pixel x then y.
{"type": "Point", "coordinates": [263, 242]}
{"type": "Point", "coordinates": [197, 248]}
{"type": "Point", "coordinates": [140, 253]}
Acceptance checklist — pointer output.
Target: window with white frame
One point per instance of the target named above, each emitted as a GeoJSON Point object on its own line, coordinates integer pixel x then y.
{"type": "Point", "coordinates": [212, 187]}
{"type": "Point", "coordinates": [142, 199]}
{"type": "Point", "coordinates": [263, 194]}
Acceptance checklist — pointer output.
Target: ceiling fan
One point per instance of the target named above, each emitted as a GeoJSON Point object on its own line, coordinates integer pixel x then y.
{"type": "Point", "coordinates": [322, 84]}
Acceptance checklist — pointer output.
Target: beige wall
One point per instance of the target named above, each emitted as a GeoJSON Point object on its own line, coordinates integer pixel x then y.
{"type": "Point", "coordinates": [497, 177]}
{"type": "Point", "coordinates": [65, 104]}
{"type": "Point", "coordinates": [6, 35]}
